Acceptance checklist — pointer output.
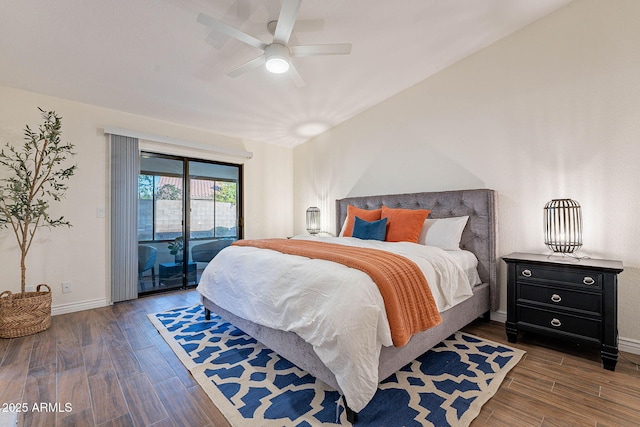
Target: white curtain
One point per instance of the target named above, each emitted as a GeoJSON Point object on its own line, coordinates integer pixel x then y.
{"type": "Point", "coordinates": [125, 168]}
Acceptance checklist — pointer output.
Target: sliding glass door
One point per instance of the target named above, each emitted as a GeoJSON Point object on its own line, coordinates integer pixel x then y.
{"type": "Point", "coordinates": [188, 211]}
{"type": "Point", "coordinates": [213, 209]}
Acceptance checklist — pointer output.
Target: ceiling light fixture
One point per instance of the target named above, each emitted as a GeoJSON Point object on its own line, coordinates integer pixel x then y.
{"type": "Point", "coordinates": [277, 58]}
{"type": "Point", "coordinates": [310, 129]}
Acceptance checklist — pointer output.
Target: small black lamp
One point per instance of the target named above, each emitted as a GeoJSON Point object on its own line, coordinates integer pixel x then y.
{"type": "Point", "coordinates": [313, 220]}
{"type": "Point", "coordinates": [563, 226]}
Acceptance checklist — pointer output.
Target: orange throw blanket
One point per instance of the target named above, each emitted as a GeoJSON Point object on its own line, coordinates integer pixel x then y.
{"type": "Point", "coordinates": [407, 298]}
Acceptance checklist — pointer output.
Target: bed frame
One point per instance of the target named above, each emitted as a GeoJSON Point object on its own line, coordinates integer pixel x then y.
{"type": "Point", "coordinates": [479, 237]}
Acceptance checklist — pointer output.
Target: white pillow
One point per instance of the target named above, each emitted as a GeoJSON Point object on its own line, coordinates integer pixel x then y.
{"type": "Point", "coordinates": [444, 233]}
{"type": "Point", "coordinates": [344, 225]}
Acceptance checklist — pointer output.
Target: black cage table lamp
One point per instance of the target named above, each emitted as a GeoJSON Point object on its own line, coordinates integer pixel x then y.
{"type": "Point", "coordinates": [313, 220]}
{"type": "Point", "coordinates": [563, 226]}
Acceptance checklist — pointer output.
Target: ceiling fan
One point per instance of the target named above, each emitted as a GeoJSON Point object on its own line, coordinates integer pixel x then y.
{"type": "Point", "coordinates": [277, 54]}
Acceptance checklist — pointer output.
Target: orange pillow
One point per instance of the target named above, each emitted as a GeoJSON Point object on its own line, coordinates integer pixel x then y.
{"type": "Point", "coordinates": [353, 212]}
{"type": "Point", "coordinates": [404, 225]}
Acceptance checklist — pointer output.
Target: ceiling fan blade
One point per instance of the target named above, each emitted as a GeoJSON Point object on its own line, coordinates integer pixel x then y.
{"type": "Point", "coordinates": [301, 26]}
{"type": "Point", "coordinates": [230, 31]}
{"type": "Point", "coordinates": [321, 49]}
{"type": "Point", "coordinates": [239, 12]}
{"type": "Point", "coordinates": [295, 76]}
{"type": "Point", "coordinates": [286, 21]}
{"type": "Point", "coordinates": [247, 66]}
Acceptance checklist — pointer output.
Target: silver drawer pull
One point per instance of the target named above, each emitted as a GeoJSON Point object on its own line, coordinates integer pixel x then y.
{"type": "Point", "coordinates": [526, 273]}
{"type": "Point", "coordinates": [588, 280]}
{"type": "Point", "coordinates": [556, 298]}
{"type": "Point", "coordinates": [555, 322]}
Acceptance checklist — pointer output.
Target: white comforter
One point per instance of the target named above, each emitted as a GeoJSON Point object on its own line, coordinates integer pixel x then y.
{"type": "Point", "coordinates": [336, 309]}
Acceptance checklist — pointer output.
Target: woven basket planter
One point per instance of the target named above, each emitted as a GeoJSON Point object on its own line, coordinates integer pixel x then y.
{"type": "Point", "coordinates": [25, 314]}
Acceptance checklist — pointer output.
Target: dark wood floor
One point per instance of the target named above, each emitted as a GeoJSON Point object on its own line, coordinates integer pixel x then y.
{"type": "Point", "coordinates": [559, 384]}
{"type": "Point", "coordinates": [114, 369]}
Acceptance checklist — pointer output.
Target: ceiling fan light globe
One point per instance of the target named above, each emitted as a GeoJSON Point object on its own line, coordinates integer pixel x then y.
{"type": "Point", "coordinates": [277, 65]}
{"type": "Point", "coordinates": [276, 58]}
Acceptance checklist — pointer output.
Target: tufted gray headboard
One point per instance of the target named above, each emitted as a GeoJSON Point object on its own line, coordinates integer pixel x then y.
{"type": "Point", "coordinates": [479, 236]}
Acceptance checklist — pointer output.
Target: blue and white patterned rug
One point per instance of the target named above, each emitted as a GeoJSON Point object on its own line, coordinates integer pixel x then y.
{"type": "Point", "coordinates": [253, 386]}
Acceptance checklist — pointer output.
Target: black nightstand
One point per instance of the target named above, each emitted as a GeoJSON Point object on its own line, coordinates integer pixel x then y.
{"type": "Point", "coordinates": [565, 298]}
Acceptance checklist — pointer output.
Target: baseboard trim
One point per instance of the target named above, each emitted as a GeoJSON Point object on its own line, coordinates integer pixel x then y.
{"type": "Point", "coordinates": [72, 307]}
{"type": "Point", "coordinates": [499, 316]}
{"type": "Point", "coordinates": [629, 345]}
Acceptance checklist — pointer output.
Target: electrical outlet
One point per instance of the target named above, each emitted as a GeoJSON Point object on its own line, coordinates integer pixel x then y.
{"type": "Point", "coordinates": [66, 287]}
{"type": "Point", "coordinates": [30, 288]}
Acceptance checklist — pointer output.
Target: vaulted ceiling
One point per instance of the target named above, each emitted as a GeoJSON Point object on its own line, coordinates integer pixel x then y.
{"type": "Point", "coordinates": [152, 58]}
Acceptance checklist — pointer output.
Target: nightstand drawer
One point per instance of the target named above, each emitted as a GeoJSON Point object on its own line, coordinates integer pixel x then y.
{"type": "Point", "coordinates": [560, 322]}
{"type": "Point", "coordinates": [559, 275]}
{"type": "Point", "coordinates": [560, 297]}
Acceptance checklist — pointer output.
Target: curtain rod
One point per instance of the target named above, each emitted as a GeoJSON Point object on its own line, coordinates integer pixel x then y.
{"type": "Point", "coordinates": [110, 130]}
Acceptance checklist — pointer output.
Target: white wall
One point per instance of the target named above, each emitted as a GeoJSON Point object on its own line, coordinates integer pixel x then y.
{"type": "Point", "coordinates": [550, 111]}
{"type": "Point", "coordinates": [80, 254]}
{"type": "Point", "coordinates": [269, 198]}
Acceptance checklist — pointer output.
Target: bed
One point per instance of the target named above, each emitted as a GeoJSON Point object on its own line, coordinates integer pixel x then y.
{"type": "Point", "coordinates": [478, 237]}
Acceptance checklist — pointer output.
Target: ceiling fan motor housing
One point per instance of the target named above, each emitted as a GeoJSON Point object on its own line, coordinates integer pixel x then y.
{"type": "Point", "coordinates": [276, 57]}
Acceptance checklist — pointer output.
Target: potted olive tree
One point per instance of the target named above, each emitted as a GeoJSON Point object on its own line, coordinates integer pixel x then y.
{"type": "Point", "coordinates": [35, 176]}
